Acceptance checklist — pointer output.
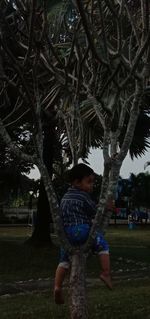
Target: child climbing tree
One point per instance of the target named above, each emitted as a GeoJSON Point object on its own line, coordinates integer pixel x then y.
{"type": "Point", "coordinates": [93, 70]}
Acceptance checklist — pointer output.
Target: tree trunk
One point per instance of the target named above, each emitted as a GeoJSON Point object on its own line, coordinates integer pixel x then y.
{"type": "Point", "coordinates": [41, 223]}
{"type": "Point", "coordinates": [78, 300]}
{"type": "Point", "coordinates": [41, 233]}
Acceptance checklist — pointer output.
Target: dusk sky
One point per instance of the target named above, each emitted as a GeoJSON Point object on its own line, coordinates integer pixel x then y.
{"type": "Point", "coordinates": [136, 166]}
{"type": "Point", "coordinates": [96, 162]}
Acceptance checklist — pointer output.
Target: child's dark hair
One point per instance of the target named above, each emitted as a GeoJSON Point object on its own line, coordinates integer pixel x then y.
{"type": "Point", "coordinates": [78, 172]}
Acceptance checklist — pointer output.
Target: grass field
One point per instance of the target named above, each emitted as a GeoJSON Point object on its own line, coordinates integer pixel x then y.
{"type": "Point", "coordinates": [124, 302]}
{"type": "Point", "coordinates": [20, 261]}
{"type": "Point", "coordinates": [130, 259]}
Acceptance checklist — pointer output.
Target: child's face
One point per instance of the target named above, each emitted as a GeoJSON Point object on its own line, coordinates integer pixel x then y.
{"type": "Point", "coordinates": [86, 184]}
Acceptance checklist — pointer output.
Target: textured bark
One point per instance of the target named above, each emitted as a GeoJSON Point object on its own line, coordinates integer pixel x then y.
{"type": "Point", "coordinates": [78, 302]}
{"type": "Point", "coordinates": [41, 231]}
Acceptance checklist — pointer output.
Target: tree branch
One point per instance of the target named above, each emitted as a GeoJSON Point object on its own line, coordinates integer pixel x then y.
{"type": "Point", "coordinates": [13, 147]}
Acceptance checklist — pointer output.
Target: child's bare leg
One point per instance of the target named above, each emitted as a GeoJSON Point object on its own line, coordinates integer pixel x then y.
{"type": "Point", "coordinates": [59, 278]}
{"type": "Point", "coordinates": [105, 275]}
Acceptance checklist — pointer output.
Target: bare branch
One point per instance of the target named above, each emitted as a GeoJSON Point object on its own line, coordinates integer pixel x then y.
{"type": "Point", "coordinates": [88, 34]}
{"type": "Point", "coordinates": [134, 113]}
{"type": "Point", "coordinates": [13, 147]}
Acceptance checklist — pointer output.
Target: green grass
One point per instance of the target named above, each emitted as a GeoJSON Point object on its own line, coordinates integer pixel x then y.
{"type": "Point", "coordinates": [128, 249]}
{"type": "Point", "coordinates": [129, 298]}
{"type": "Point", "coordinates": [13, 233]}
{"type": "Point", "coordinates": [22, 262]}
{"type": "Point", "coordinates": [124, 302]}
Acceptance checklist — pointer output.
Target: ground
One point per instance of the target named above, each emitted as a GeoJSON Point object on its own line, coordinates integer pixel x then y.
{"type": "Point", "coordinates": [27, 274]}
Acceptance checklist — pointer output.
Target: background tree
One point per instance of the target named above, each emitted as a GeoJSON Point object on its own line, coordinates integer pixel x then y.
{"type": "Point", "coordinates": [12, 23]}
{"type": "Point", "coordinates": [140, 196]}
{"type": "Point", "coordinates": [102, 69]}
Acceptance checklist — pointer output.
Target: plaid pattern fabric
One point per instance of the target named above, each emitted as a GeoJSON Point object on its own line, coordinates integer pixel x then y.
{"type": "Point", "coordinates": [76, 207]}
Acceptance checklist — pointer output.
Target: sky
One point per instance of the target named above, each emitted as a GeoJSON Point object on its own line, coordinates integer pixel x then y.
{"type": "Point", "coordinates": [129, 166]}
{"type": "Point", "coordinates": [96, 162]}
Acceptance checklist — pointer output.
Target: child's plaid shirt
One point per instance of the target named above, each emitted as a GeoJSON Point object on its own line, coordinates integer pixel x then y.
{"type": "Point", "coordinates": [77, 208]}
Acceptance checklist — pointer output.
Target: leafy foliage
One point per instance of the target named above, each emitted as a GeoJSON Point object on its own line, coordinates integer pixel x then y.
{"type": "Point", "coordinates": [67, 72]}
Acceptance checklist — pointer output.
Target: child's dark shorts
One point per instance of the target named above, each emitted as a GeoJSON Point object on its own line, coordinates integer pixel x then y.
{"type": "Point", "coordinates": [77, 235]}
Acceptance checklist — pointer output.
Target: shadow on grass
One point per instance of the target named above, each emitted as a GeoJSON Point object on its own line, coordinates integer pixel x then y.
{"type": "Point", "coordinates": [22, 262]}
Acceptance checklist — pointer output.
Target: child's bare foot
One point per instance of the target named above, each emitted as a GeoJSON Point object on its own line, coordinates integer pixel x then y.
{"type": "Point", "coordinates": [107, 280]}
{"type": "Point", "coordinates": [58, 297]}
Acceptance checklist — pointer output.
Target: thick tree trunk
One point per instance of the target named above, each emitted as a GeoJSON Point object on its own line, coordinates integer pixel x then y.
{"type": "Point", "coordinates": [41, 233]}
{"type": "Point", "coordinates": [78, 301]}
{"type": "Point", "coordinates": [41, 223]}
